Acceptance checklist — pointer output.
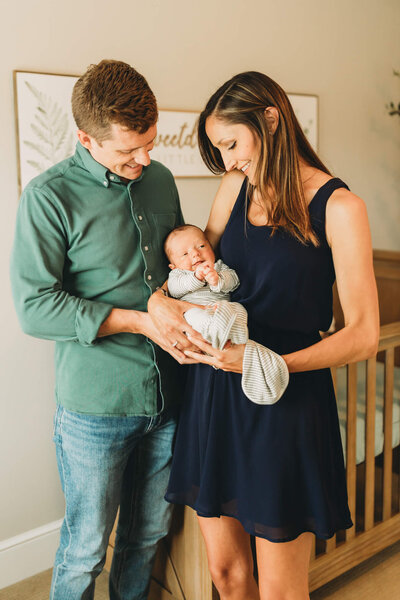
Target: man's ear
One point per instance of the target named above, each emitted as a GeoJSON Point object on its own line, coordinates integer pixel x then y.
{"type": "Point", "coordinates": [172, 266]}
{"type": "Point", "coordinates": [85, 139]}
{"type": "Point", "coordinates": [272, 117]}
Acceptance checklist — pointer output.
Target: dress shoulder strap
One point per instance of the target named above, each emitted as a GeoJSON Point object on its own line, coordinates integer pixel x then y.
{"type": "Point", "coordinates": [240, 200]}
{"type": "Point", "coordinates": [239, 206]}
{"type": "Point", "coordinates": [317, 206]}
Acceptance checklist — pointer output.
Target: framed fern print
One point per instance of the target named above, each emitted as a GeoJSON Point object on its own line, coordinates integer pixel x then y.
{"type": "Point", "coordinates": [45, 125]}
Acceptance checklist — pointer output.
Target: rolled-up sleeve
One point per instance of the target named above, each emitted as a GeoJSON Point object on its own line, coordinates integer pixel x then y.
{"type": "Point", "coordinates": [45, 310]}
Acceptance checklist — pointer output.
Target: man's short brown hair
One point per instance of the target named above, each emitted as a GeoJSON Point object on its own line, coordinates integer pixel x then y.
{"type": "Point", "coordinates": [113, 92]}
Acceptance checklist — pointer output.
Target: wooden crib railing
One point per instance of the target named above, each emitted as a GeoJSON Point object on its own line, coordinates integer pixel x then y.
{"type": "Point", "coordinates": [373, 486]}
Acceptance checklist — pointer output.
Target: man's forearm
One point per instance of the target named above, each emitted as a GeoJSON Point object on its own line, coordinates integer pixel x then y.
{"type": "Point", "coordinates": [122, 321]}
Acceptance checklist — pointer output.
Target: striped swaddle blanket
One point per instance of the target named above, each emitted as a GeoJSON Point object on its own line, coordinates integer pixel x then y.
{"type": "Point", "coordinates": [265, 375]}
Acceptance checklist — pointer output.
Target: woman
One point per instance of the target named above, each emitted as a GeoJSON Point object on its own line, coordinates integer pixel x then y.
{"type": "Point", "coordinates": [287, 227]}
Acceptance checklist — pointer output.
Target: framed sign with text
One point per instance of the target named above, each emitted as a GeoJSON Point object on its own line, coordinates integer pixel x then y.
{"type": "Point", "coordinates": [46, 128]}
{"type": "Point", "coordinates": [176, 144]}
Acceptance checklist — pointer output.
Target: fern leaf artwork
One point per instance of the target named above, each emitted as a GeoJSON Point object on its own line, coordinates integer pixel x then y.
{"type": "Point", "coordinates": [63, 134]}
{"type": "Point", "coordinates": [39, 131]}
{"type": "Point", "coordinates": [307, 127]}
{"type": "Point", "coordinates": [38, 166]}
{"type": "Point", "coordinates": [392, 108]}
{"type": "Point", "coordinates": [51, 138]}
{"type": "Point", "coordinates": [40, 120]}
{"type": "Point", "coordinates": [44, 151]}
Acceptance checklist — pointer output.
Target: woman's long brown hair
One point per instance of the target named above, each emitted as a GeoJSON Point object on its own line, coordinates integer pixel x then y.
{"type": "Point", "coordinates": [243, 100]}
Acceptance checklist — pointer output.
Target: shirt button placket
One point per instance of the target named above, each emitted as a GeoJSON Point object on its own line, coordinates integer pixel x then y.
{"type": "Point", "coordinates": [146, 248]}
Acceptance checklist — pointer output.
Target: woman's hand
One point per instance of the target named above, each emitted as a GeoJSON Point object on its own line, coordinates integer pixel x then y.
{"type": "Point", "coordinates": [228, 359]}
{"type": "Point", "coordinates": [170, 325]}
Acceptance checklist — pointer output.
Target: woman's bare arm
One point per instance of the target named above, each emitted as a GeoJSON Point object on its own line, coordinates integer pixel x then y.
{"type": "Point", "coordinates": [222, 206]}
{"type": "Point", "coordinates": [348, 234]}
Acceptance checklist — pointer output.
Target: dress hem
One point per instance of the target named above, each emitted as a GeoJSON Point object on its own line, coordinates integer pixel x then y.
{"type": "Point", "coordinates": [253, 533]}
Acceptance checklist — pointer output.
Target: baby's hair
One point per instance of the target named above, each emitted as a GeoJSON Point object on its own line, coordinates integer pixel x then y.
{"type": "Point", "coordinates": [174, 232]}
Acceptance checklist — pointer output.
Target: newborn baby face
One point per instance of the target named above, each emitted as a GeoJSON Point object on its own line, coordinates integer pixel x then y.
{"type": "Point", "coordinates": [190, 248]}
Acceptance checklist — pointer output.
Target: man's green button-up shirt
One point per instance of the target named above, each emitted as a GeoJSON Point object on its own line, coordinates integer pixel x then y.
{"type": "Point", "coordinates": [85, 243]}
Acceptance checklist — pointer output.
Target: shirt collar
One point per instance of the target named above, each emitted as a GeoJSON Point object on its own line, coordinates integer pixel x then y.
{"type": "Point", "coordinates": [99, 172]}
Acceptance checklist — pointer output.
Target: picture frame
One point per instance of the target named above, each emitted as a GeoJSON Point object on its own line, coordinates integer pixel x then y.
{"type": "Point", "coordinates": [43, 120]}
{"type": "Point", "coordinates": [306, 109]}
{"type": "Point", "coordinates": [45, 128]}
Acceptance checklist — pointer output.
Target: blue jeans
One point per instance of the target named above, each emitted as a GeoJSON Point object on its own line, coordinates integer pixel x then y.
{"type": "Point", "coordinates": [105, 462]}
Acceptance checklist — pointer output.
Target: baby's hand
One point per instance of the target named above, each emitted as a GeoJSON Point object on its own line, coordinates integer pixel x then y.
{"type": "Point", "coordinates": [212, 277]}
{"type": "Point", "coordinates": [202, 270]}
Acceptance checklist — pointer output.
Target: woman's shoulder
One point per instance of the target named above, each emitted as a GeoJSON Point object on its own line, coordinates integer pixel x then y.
{"type": "Point", "coordinates": [332, 201]}
{"type": "Point", "coordinates": [345, 211]}
{"type": "Point", "coordinates": [230, 187]}
{"type": "Point", "coordinates": [344, 203]}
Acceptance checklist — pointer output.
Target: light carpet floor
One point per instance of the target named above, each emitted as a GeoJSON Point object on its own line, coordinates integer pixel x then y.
{"type": "Point", "coordinates": [38, 588]}
{"type": "Point", "coordinates": [378, 575]}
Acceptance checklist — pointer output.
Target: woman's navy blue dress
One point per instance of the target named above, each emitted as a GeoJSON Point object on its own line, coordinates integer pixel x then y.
{"type": "Point", "coordinates": [278, 469]}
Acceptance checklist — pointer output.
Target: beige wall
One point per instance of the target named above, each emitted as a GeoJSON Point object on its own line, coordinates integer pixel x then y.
{"type": "Point", "coordinates": [343, 51]}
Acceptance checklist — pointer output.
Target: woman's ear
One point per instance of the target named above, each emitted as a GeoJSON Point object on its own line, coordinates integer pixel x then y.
{"type": "Point", "coordinates": [272, 117]}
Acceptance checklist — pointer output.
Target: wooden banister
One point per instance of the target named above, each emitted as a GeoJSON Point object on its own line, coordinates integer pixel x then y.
{"type": "Point", "coordinates": [389, 336]}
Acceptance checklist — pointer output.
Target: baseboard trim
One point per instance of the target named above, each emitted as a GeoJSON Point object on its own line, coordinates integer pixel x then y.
{"type": "Point", "coordinates": [29, 553]}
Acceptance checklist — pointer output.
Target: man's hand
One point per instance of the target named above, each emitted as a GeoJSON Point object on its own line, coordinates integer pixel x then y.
{"type": "Point", "coordinates": [149, 329]}
{"type": "Point", "coordinates": [170, 325]}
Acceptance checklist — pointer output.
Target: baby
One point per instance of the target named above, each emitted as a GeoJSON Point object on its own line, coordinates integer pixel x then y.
{"type": "Point", "coordinates": [197, 278]}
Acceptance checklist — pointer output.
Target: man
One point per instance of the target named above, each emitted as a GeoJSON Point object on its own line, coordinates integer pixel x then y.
{"type": "Point", "coordinates": [87, 256]}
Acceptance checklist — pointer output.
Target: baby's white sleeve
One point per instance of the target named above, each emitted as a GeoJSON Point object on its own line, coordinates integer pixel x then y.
{"type": "Point", "coordinates": [181, 282]}
{"type": "Point", "coordinates": [227, 278]}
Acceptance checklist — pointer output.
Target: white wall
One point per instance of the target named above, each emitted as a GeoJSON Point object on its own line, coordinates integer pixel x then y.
{"type": "Point", "coordinates": [343, 51]}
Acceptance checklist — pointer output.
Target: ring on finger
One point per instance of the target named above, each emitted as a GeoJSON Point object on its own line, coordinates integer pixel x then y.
{"type": "Point", "coordinates": [174, 345]}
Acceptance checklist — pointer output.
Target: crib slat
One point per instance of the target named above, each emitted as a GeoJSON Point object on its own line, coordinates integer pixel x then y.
{"type": "Point", "coordinates": [351, 426]}
{"type": "Point", "coordinates": [369, 499]}
{"type": "Point", "coordinates": [388, 433]}
{"type": "Point", "coordinates": [330, 544]}
{"type": "Point", "coordinates": [334, 376]}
